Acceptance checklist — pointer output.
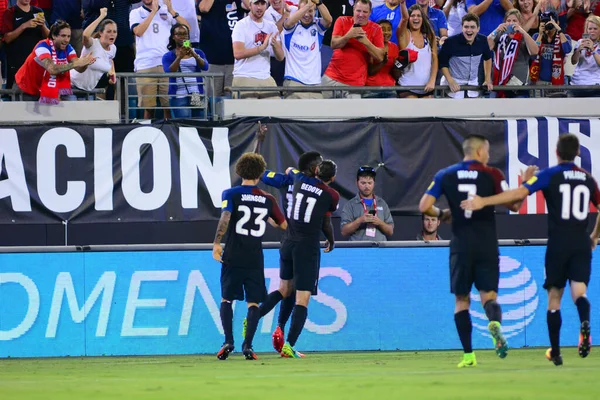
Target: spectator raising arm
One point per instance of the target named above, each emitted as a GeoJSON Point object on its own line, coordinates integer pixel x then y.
{"type": "Point", "coordinates": [89, 31]}
{"type": "Point", "coordinates": [141, 28]}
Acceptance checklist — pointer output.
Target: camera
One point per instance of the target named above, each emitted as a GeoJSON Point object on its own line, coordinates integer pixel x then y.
{"type": "Point", "coordinates": [546, 17]}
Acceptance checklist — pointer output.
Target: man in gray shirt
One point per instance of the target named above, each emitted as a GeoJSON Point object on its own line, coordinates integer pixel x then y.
{"type": "Point", "coordinates": [367, 216]}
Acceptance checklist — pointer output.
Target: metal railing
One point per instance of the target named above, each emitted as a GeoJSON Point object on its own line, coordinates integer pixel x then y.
{"type": "Point", "coordinates": [17, 95]}
{"type": "Point", "coordinates": [128, 81]}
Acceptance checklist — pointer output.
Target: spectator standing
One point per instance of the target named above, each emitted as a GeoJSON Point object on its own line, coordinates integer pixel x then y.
{"type": "Point", "coordinates": [574, 23]}
{"type": "Point", "coordinates": [45, 74]}
{"type": "Point", "coordinates": [184, 91]}
{"type": "Point", "coordinates": [547, 67]}
{"type": "Point", "coordinates": [337, 8]}
{"type": "Point", "coordinates": [380, 73]}
{"type": "Point", "coordinates": [513, 49]}
{"type": "Point", "coordinates": [23, 26]}
{"type": "Point", "coordinates": [102, 47]}
{"type": "Point", "coordinates": [586, 58]}
{"type": "Point", "coordinates": [367, 216]}
{"type": "Point", "coordinates": [415, 33]}
{"type": "Point", "coordinates": [454, 10]}
{"type": "Point", "coordinates": [490, 13]}
{"type": "Point", "coordinates": [70, 12]}
{"type": "Point", "coordinates": [302, 38]}
{"type": "Point", "coordinates": [437, 19]}
{"type": "Point", "coordinates": [461, 57]}
{"type": "Point", "coordinates": [187, 9]}
{"type": "Point", "coordinates": [530, 10]}
{"type": "Point", "coordinates": [429, 228]}
{"type": "Point", "coordinates": [45, 5]}
{"type": "Point", "coordinates": [255, 40]}
{"type": "Point", "coordinates": [355, 41]}
{"type": "Point", "coordinates": [278, 12]}
{"type": "Point", "coordinates": [151, 25]}
{"type": "Point", "coordinates": [391, 12]}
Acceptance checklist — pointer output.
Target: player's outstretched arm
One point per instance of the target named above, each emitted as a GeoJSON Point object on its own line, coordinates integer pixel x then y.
{"type": "Point", "coordinates": [595, 232]}
{"type": "Point", "coordinates": [328, 232]}
{"type": "Point", "coordinates": [261, 132]}
{"type": "Point", "coordinates": [221, 229]}
{"type": "Point", "coordinates": [507, 198]}
{"type": "Point", "coordinates": [426, 206]}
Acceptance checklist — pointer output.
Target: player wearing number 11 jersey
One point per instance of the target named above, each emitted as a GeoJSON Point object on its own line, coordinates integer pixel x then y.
{"type": "Point", "coordinates": [474, 245]}
{"type": "Point", "coordinates": [568, 191]}
{"type": "Point", "coordinates": [244, 215]}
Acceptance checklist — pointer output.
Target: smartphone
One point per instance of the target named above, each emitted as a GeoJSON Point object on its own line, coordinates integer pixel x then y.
{"type": "Point", "coordinates": [510, 29]}
{"type": "Point", "coordinates": [186, 43]}
{"type": "Point", "coordinates": [585, 36]}
{"type": "Point", "coordinates": [356, 26]}
{"type": "Point", "coordinates": [372, 212]}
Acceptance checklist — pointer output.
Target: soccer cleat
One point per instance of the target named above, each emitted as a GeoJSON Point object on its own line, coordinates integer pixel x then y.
{"type": "Point", "coordinates": [249, 354]}
{"type": "Point", "coordinates": [500, 343]}
{"type": "Point", "coordinates": [244, 327]}
{"type": "Point", "coordinates": [287, 351]}
{"type": "Point", "coordinates": [556, 360]}
{"type": "Point", "coordinates": [468, 361]}
{"type": "Point", "coordinates": [585, 340]}
{"type": "Point", "coordinates": [278, 340]}
{"type": "Point", "coordinates": [225, 351]}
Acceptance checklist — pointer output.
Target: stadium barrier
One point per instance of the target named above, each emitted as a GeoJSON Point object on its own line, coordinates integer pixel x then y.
{"type": "Point", "coordinates": [150, 300]}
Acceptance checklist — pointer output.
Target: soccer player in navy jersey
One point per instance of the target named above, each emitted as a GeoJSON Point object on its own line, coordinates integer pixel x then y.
{"type": "Point", "coordinates": [474, 254]}
{"type": "Point", "coordinates": [568, 191]}
{"type": "Point", "coordinates": [245, 210]}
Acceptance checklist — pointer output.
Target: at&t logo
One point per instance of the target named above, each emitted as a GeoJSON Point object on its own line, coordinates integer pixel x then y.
{"type": "Point", "coordinates": [518, 296]}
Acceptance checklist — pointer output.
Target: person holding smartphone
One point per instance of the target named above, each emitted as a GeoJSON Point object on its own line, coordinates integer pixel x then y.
{"type": "Point", "coordinates": [586, 58]}
{"type": "Point", "coordinates": [367, 217]}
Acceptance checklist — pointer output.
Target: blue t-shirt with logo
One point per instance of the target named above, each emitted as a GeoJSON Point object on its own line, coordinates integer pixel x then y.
{"type": "Point", "coordinates": [394, 15]}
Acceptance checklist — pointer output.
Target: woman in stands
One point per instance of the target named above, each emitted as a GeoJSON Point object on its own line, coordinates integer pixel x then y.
{"type": "Point", "coordinates": [513, 48]}
{"type": "Point", "coordinates": [530, 10]}
{"type": "Point", "coordinates": [415, 33]}
{"type": "Point", "coordinates": [185, 91]}
{"type": "Point", "coordinates": [102, 46]}
{"type": "Point", "coordinates": [586, 58]}
{"type": "Point", "coordinates": [45, 74]}
{"type": "Point", "coordinates": [380, 72]}
{"type": "Point", "coordinates": [454, 11]}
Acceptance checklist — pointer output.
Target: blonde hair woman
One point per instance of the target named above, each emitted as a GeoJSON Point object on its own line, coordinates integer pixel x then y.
{"type": "Point", "coordinates": [586, 58]}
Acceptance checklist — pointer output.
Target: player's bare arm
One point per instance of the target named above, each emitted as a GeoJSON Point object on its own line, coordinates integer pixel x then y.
{"type": "Point", "coordinates": [221, 230]}
{"type": "Point", "coordinates": [261, 132]}
{"type": "Point", "coordinates": [508, 197]}
{"type": "Point", "coordinates": [427, 207]}
{"type": "Point", "coordinates": [328, 232]}
{"type": "Point", "coordinates": [526, 175]}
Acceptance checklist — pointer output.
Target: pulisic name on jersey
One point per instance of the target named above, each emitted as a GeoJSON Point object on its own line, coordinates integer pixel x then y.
{"type": "Point", "coordinates": [253, 197]}
{"type": "Point", "coordinates": [576, 175]}
{"type": "Point", "coordinates": [467, 174]}
{"type": "Point", "coordinates": [312, 189]}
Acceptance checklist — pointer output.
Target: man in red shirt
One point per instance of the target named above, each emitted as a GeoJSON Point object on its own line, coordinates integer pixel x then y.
{"type": "Point", "coordinates": [355, 41]}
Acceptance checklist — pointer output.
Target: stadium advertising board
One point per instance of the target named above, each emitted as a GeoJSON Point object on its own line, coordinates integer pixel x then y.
{"type": "Point", "coordinates": [167, 302]}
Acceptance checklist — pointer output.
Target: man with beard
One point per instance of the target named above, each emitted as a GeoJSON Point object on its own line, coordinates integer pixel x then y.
{"type": "Point", "coordinates": [367, 216]}
{"type": "Point", "coordinates": [429, 229]}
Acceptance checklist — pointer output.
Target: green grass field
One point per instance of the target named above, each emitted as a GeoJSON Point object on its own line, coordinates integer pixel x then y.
{"type": "Point", "coordinates": [525, 374]}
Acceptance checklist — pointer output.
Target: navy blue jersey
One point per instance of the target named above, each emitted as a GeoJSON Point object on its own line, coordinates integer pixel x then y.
{"type": "Point", "coordinates": [312, 201]}
{"type": "Point", "coordinates": [250, 209]}
{"type": "Point", "coordinates": [470, 229]}
{"type": "Point", "coordinates": [283, 182]}
{"type": "Point", "coordinates": [568, 191]}
{"type": "Point", "coordinates": [216, 28]}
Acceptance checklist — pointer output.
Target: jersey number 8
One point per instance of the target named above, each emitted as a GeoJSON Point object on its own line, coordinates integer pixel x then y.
{"type": "Point", "coordinates": [261, 214]}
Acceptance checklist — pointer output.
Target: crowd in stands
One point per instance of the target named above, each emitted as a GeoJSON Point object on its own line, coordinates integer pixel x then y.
{"type": "Point", "coordinates": [50, 47]}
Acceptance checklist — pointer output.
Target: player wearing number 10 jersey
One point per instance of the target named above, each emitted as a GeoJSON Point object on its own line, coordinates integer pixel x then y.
{"type": "Point", "coordinates": [568, 191]}
{"type": "Point", "coordinates": [244, 215]}
{"type": "Point", "coordinates": [474, 245]}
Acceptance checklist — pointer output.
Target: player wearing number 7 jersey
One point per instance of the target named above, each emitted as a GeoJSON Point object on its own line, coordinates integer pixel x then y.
{"type": "Point", "coordinates": [474, 245]}
{"type": "Point", "coordinates": [244, 215]}
{"type": "Point", "coordinates": [568, 191]}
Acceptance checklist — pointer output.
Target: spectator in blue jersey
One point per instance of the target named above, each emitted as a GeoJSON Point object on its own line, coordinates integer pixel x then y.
{"type": "Point", "coordinates": [302, 40]}
{"type": "Point", "coordinates": [490, 13]}
{"type": "Point", "coordinates": [185, 91]}
{"type": "Point", "coordinates": [70, 12]}
{"type": "Point", "coordinates": [390, 11]}
{"type": "Point", "coordinates": [437, 19]}
{"type": "Point", "coordinates": [461, 56]}
{"type": "Point", "coordinates": [219, 17]}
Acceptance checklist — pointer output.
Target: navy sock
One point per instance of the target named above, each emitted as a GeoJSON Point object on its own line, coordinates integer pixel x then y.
{"type": "Point", "coordinates": [285, 310]}
{"type": "Point", "coordinates": [554, 320]}
{"type": "Point", "coordinates": [493, 311]}
{"type": "Point", "coordinates": [462, 319]}
{"type": "Point", "coordinates": [272, 299]}
{"type": "Point", "coordinates": [298, 320]}
{"type": "Point", "coordinates": [227, 321]}
{"type": "Point", "coordinates": [583, 307]}
{"type": "Point", "coordinates": [252, 323]}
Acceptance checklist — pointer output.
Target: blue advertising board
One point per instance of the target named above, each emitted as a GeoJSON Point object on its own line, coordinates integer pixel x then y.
{"type": "Point", "coordinates": [167, 302]}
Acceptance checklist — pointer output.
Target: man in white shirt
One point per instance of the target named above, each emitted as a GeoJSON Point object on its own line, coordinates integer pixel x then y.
{"type": "Point", "coordinates": [255, 39]}
{"type": "Point", "coordinates": [151, 24]}
{"type": "Point", "coordinates": [303, 38]}
{"type": "Point", "coordinates": [278, 12]}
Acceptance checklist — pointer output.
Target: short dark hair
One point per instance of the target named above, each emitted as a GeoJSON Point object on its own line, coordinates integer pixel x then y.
{"type": "Point", "coordinates": [567, 147]}
{"type": "Point", "coordinates": [364, 2]}
{"type": "Point", "coordinates": [385, 21]}
{"type": "Point", "coordinates": [58, 26]}
{"type": "Point", "coordinates": [327, 170]}
{"type": "Point", "coordinates": [250, 166]}
{"type": "Point", "coordinates": [470, 17]}
{"type": "Point", "coordinates": [309, 161]}
{"type": "Point", "coordinates": [472, 143]}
